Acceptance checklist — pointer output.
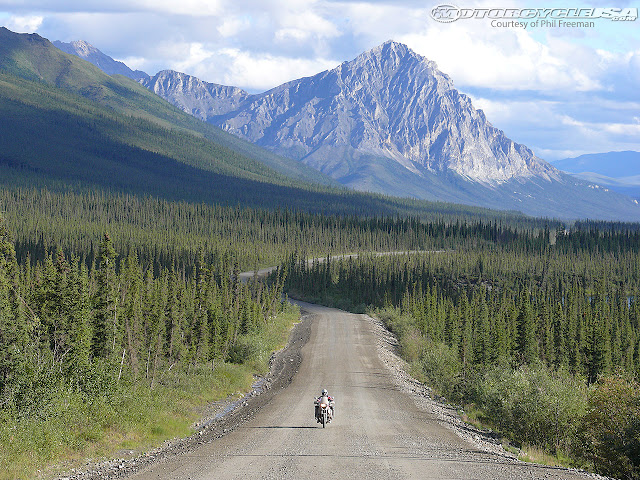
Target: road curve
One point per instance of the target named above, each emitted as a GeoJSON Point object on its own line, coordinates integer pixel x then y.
{"type": "Point", "coordinates": [263, 272]}
{"type": "Point", "coordinates": [378, 432]}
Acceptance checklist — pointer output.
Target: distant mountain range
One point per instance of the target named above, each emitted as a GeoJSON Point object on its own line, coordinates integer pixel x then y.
{"type": "Point", "coordinates": [619, 171]}
{"type": "Point", "coordinates": [68, 126]}
{"type": "Point", "coordinates": [609, 164]}
{"type": "Point", "coordinates": [389, 121]}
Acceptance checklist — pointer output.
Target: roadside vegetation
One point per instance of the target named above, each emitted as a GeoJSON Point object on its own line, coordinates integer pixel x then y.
{"type": "Point", "coordinates": [68, 426]}
{"type": "Point", "coordinates": [537, 339]}
{"type": "Point", "coordinates": [113, 341]}
{"type": "Point", "coordinates": [98, 360]}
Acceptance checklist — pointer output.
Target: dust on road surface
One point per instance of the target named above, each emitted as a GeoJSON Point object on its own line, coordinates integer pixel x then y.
{"type": "Point", "coordinates": [378, 431]}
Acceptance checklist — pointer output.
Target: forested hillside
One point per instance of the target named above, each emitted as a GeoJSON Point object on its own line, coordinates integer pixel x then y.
{"type": "Point", "coordinates": [59, 81]}
{"type": "Point", "coordinates": [112, 303]}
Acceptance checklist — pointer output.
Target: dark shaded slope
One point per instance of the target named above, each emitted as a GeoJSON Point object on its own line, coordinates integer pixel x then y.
{"type": "Point", "coordinates": [50, 137]}
{"type": "Point", "coordinates": [34, 58]}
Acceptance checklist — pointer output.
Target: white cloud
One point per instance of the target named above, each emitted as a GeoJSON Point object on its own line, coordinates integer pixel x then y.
{"type": "Point", "coordinates": [172, 7]}
{"type": "Point", "coordinates": [623, 129]}
{"type": "Point", "coordinates": [502, 60]}
{"type": "Point", "coordinates": [193, 54]}
{"type": "Point", "coordinates": [182, 7]}
{"type": "Point", "coordinates": [552, 133]}
{"type": "Point", "coordinates": [264, 71]}
{"type": "Point", "coordinates": [309, 22]}
{"type": "Point", "coordinates": [232, 26]}
{"type": "Point", "coordinates": [285, 34]}
{"type": "Point", "coordinates": [24, 24]}
{"type": "Point", "coordinates": [135, 63]}
{"type": "Point", "coordinates": [233, 66]}
{"type": "Point", "coordinates": [517, 113]}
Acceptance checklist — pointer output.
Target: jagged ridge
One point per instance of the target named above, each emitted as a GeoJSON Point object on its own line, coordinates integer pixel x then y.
{"type": "Point", "coordinates": [108, 65]}
{"type": "Point", "coordinates": [388, 102]}
{"type": "Point", "coordinates": [389, 121]}
{"type": "Point", "coordinates": [201, 99]}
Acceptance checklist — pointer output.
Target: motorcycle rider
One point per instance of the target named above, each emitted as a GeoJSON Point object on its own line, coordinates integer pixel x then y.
{"type": "Point", "coordinates": [325, 393]}
{"type": "Point", "coordinates": [332, 404]}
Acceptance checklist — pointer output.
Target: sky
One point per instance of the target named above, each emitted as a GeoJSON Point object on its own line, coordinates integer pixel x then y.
{"type": "Point", "coordinates": [561, 90]}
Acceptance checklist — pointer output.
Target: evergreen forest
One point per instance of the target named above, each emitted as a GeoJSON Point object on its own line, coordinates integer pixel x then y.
{"type": "Point", "coordinates": [111, 302]}
{"type": "Point", "coordinates": [536, 334]}
{"type": "Point", "coordinates": [124, 226]}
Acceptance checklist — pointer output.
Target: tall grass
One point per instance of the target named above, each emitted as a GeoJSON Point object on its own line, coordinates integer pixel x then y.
{"type": "Point", "coordinates": [133, 417]}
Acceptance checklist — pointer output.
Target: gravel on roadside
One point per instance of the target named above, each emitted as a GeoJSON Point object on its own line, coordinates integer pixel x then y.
{"type": "Point", "coordinates": [217, 418]}
{"type": "Point", "coordinates": [427, 400]}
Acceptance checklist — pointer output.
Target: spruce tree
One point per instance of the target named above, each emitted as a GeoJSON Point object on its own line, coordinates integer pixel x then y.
{"type": "Point", "coordinates": [105, 328]}
{"type": "Point", "coordinates": [526, 343]}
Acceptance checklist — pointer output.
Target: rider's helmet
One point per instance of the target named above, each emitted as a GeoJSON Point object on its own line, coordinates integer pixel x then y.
{"type": "Point", "coordinates": [324, 392]}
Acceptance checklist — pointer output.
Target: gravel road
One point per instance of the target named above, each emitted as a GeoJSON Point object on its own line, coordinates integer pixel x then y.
{"type": "Point", "coordinates": [384, 428]}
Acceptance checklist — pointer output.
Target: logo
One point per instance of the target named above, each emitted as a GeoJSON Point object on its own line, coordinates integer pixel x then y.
{"type": "Point", "coordinates": [445, 13]}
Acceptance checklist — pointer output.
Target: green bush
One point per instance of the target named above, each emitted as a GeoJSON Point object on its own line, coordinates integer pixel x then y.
{"type": "Point", "coordinates": [441, 367]}
{"type": "Point", "coordinates": [611, 427]}
{"type": "Point", "coordinates": [535, 404]}
{"type": "Point", "coordinates": [244, 350]}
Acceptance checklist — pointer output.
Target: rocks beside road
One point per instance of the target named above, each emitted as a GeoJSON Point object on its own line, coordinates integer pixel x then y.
{"type": "Point", "coordinates": [427, 400]}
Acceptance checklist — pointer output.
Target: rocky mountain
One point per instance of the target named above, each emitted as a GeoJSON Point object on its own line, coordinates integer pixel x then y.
{"type": "Point", "coordinates": [391, 103]}
{"type": "Point", "coordinates": [108, 65]}
{"type": "Point", "coordinates": [390, 122]}
{"type": "Point", "coordinates": [201, 99]}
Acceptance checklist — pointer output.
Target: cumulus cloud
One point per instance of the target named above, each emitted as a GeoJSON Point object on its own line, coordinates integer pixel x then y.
{"type": "Point", "coordinates": [506, 60]}
{"type": "Point", "coordinates": [556, 129]}
{"type": "Point", "coordinates": [258, 72]}
{"type": "Point", "coordinates": [234, 25]}
{"type": "Point", "coordinates": [557, 91]}
{"type": "Point", "coordinates": [24, 24]}
{"type": "Point", "coordinates": [184, 7]}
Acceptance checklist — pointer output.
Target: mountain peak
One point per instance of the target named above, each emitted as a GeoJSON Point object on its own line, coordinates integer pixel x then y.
{"type": "Point", "coordinates": [389, 52]}
{"type": "Point", "coordinates": [394, 63]}
{"type": "Point", "coordinates": [83, 48]}
{"type": "Point", "coordinates": [201, 99]}
{"type": "Point", "coordinates": [86, 51]}
{"type": "Point", "coordinates": [392, 45]}
{"type": "Point", "coordinates": [387, 103]}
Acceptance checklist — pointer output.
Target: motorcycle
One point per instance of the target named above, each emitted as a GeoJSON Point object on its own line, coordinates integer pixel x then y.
{"type": "Point", "coordinates": [324, 409]}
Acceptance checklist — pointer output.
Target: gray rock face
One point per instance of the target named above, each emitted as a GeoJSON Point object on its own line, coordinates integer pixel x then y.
{"type": "Point", "coordinates": [388, 121]}
{"type": "Point", "coordinates": [388, 102]}
{"type": "Point", "coordinates": [201, 99]}
{"type": "Point", "coordinates": [108, 65]}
